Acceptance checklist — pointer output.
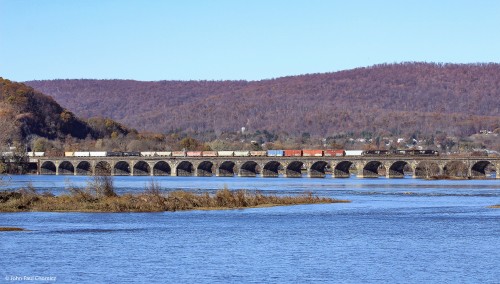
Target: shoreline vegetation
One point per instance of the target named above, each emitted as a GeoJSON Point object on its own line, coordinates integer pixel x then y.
{"type": "Point", "coordinates": [495, 206]}
{"type": "Point", "coordinates": [100, 196]}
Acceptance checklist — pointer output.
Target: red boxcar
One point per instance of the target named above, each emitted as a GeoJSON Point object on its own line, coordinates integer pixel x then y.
{"type": "Point", "coordinates": [209, 153]}
{"type": "Point", "coordinates": [292, 153]}
{"type": "Point", "coordinates": [334, 153]}
{"type": "Point", "coordinates": [312, 153]}
{"type": "Point", "coordinates": [193, 153]}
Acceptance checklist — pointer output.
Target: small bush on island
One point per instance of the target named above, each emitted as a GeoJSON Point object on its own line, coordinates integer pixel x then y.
{"type": "Point", "coordinates": [97, 198]}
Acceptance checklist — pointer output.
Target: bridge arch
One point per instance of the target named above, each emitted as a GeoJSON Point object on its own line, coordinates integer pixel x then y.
{"type": "Point", "coordinates": [294, 169]}
{"type": "Point", "coordinates": [84, 168]}
{"type": "Point", "coordinates": [482, 169]}
{"type": "Point", "coordinates": [249, 169]}
{"type": "Point", "coordinates": [141, 168]}
{"type": "Point", "coordinates": [48, 168]}
{"type": "Point", "coordinates": [343, 169]}
{"type": "Point", "coordinates": [205, 169]}
{"type": "Point", "coordinates": [102, 168]}
{"type": "Point", "coordinates": [456, 169]}
{"type": "Point", "coordinates": [227, 169]}
{"type": "Point", "coordinates": [122, 168]}
{"type": "Point", "coordinates": [372, 168]}
{"type": "Point", "coordinates": [271, 169]}
{"type": "Point", "coordinates": [161, 168]}
{"type": "Point", "coordinates": [66, 168]}
{"type": "Point", "coordinates": [398, 169]}
{"type": "Point", "coordinates": [426, 169]}
{"type": "Point", "coordinates": [185, 169]}
{"type": "Point", "coordinates": [318, 169]}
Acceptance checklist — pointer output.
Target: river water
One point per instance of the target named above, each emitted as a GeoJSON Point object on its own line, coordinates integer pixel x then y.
{"type": "Point", "coordinates": [395, 230]}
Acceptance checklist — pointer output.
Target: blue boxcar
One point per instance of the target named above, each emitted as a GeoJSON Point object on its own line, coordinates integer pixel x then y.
{"type": "Point", "coordinates": [275, 153]}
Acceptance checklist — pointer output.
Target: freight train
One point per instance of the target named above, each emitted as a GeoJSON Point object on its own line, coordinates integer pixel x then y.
{"type": "Point", "coordinates": [268, 153]}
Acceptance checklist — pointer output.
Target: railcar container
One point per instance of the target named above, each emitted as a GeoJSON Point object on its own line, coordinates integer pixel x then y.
{"type": "Point", "coordinates": [148, 154]}
{"type": "Point", "coordinates": [164, 153]}
{"type": "Point", "coordinates": [312, 153]}
{"type": "Point", "coordinates": [275, 153]}
{"type": "Point", "coordinates": [258, 153]}
{"type": "Point", "coordinates": [193, 153]}
{"type": "Point", "coordinates": [292, 153]}
{"type": "Point", "coordinates": [81, 154]}
{"type": "Point", "coordinates": [178, 153]}
{"type": "Point", "coordinates": [225, 153]}
{"type": "Point", "coordinates": [39, 154]}
{"type": "Point", "coordinates": [209, 153]}
{"type": "Point", "coordinates": [131, 154]}
{"type": "Point", "coordinates": [376, 153]}
{"type": "Point", "coordinates": [334, 153]}
{"type": "Point", "coordinates": [114, 154]}
{"type": "Point", "coordinates": [66, 154]}
{"type": "Point", "coordinates": [98, 154]}
{"type": "Point", "coordinates": [353, 152]}
{"type": "Point", "coordinates": [241, 153]}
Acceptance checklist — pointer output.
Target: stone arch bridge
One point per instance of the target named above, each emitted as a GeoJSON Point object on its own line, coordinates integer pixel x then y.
{"type": "Point", "coordinates": [315, 167]}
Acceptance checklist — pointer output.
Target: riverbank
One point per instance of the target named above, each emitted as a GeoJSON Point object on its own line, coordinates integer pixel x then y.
{"type": "Point", "coordinates": [148, 201]}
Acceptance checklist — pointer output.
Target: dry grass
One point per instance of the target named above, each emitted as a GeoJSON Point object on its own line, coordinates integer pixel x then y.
{"type": "Point", "coordinates": [495, 206]}
{"type": "Point", "coordinates": [98, 198]}
{"type": "Point", "coordinates": [9, 229]}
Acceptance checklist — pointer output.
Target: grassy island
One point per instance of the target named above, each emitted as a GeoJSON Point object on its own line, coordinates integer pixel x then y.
{"type": "Point", "coordinates": [100, 196]}
{"type": "Point", "coordinates": [9, 229]}
{"type": "Point", "coordinates": [495, 206]}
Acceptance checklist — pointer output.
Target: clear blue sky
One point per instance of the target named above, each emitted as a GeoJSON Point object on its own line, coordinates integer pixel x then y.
{"type": "Point", "coordinates": [237, 39]}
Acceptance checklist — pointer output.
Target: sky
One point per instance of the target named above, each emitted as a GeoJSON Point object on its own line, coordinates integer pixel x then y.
{"type": "Point", "coordinates": [237, 39]}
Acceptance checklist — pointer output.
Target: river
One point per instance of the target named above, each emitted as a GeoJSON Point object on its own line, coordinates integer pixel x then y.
{"type": "Point", "coordinates": [395, 230]}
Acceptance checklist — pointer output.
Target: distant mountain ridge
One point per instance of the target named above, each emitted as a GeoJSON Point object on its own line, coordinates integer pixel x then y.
{"type": "Point", "coordinates": [402, 98]}
{"type": "Point", "coordinates": [27, 114]}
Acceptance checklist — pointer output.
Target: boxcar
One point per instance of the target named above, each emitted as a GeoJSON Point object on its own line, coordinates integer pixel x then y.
{"type": "Point", "coordinates": [209, 153]}
{"type": "Point", "coordinates": [225, 153]}
{"type": "Point", "coordinates": [164, 154]}
{"type": "Point", "coordinates": [334, 153]}
{"type": "Point", "coordinates": [275, 153]}
{"type": "Point", "coordinates": [193, 153]}
{"type": "Point", "coordinates": [312, 153]}
{"type": "Point", "coordinates": [81, 154]}
{"type": "Point", "coordinates": [114, 154]}
{"type": "Point", "coordinates": [258, 153]}
{"type": "Point", "coordinates": [353, 152]}
{"type": "Point", "coordinates": [178, 154]}
{"type": "Point", "coordinates": [97, 154]}
{"type": "Point", "coordinates": [292, 153]}
{"type": "Point", "coordinates": [241, 153]}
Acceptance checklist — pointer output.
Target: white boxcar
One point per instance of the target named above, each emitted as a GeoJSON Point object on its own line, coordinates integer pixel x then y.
{"type": "Point", "coordinates": [39, 154]}
{"type": "Point", "coordinates": [68, 154]}
{"type": "Point", "coordinates": [353, 152]}
{"type": "Point", "coordinates": [81, 154]}
{"type": "Point", "coordinates": [98, 154]}
{"type": "Point", "coordinates": [164, 154]}
{"type": "Point", "coordinates": [225, 153]}
{"type": "Point", "coordinates": [241, 153]}
{"type": "Point", "coordinates": [148, 154]}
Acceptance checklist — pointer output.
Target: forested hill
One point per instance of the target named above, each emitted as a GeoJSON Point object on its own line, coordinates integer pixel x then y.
{"type": "Point", "coordinates": [27, 114]}
{"type": "Point", "coordinates": [384, 99]}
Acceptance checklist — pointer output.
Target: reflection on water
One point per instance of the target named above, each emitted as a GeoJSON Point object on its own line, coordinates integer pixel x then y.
{"type": "Point", "coordinates": [395, 230]}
